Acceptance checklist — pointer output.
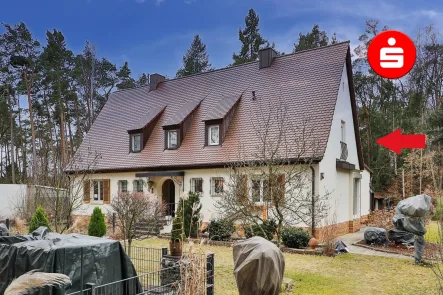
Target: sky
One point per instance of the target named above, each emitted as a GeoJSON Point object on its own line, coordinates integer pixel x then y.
{"type": "Point", "coordinates": [153, 35]}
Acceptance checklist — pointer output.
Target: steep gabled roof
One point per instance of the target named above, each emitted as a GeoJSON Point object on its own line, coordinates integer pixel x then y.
{"type": "Point", "coordinates": [304, 84]}
{"type": "Point", "coordinates": [147, 118]}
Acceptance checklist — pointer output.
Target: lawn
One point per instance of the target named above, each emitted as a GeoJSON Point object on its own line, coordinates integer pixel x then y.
{"type": "Point", "coordinates": [345, 274]}
{"type": "Point", "coordinates": [432, 234]}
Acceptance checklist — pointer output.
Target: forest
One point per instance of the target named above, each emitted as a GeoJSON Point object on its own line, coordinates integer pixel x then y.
{"type": "Point", "coordinates": [50, 97]}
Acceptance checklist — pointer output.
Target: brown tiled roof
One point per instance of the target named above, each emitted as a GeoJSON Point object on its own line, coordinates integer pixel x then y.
{"type": "Point", "coordinates": [183, 112]}
{"type": "Point", "coordinates": [147, 118]}
{"type": "Point", "coordinates": [304, 84]}
{"type": "Point", "coordinates": [220, 109]}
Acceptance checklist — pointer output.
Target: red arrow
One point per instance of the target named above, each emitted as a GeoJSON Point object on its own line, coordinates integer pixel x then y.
{"type": "Point", "coordinates": [396, 141]}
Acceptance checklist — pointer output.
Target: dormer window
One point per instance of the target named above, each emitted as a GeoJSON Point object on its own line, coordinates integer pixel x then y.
{"type": "Point", "coordinates": [136, 143]}
{"type": "Point", "coordinates": [172, 139]}
{"type": "Point", "coordinates": [214, 135]}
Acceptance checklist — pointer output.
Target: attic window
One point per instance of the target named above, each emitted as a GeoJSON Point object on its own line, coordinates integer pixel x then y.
{"type": "Point", "coordinates": [172, 137]}
{"type": "Point", "coordinates": [214, 135]}
{"type": "Point", "coordinates": [136, 142]}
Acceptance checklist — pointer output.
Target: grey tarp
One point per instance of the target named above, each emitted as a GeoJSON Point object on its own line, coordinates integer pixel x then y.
{"type": "Point", "coordinates": [83, 258]}
{"type": "Point", "coordinates": [259, 267]}
{"type": "Point", "coordinates": [375, 235]}
{"type": "Point", "coordinates": [409, 216]}
{"type": "Point", "coordinates": [3, 230]}
{"type": "Point", "coordinates": [401, 236]}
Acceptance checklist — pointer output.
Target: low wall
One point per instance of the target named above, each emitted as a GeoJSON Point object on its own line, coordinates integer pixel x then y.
{"type": "Point", "coordinates": [9, 196]}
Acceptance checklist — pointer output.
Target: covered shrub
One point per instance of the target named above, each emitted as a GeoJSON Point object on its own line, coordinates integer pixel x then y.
{"type": "Point", "coordinates": [97, 225]}
{"type": "Point", "coordinates": [265, 230]}
{"type": "Point", "coordinates": [39, 218]}
{"type": "Point", "coordinates": [221, 229]}
{"type": "Point", "coordinates": [295, 237]}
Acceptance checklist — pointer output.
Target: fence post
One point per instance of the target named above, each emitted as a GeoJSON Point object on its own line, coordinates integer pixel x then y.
{"type": "Point", "coordinates": [164, 252]}
{"type": "Point", "coordinates": [113, 222]}
{"type": "Point", "coordinates": [92, 287]}
{"type": "Point", "coordinates": [210, 274]}
{"type": "Point", "coordinates": [7, 223]}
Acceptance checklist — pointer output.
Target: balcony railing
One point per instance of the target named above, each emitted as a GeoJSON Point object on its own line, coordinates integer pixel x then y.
{"type": "Point", "coordinates": [343, 151]}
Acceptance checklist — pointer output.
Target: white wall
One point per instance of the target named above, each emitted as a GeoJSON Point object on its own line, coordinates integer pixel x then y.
{"type": "Point", "coordinates": [339, 183]}
{"type": "Point", "coordinates": [9, 195]}
{"type": "Point", "coordinates": [365, 192]}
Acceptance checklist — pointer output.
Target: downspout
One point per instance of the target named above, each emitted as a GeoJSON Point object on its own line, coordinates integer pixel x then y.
{"type": "Point", "coordinates": [313, 200]}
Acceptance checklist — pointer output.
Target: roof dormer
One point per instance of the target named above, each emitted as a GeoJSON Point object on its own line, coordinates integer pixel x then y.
{"type": "Point", "coordinates": [140, 132]}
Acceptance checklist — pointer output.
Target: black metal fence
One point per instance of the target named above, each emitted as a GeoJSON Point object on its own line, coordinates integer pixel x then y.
{"type": "Point", "coordinates": [160, 273]}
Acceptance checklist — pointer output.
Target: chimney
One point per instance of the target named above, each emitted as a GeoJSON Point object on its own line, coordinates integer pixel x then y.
{"type": "Point", "coordinates": [265, 57]}
{"type": "Point", "coordinates": [154, 80]}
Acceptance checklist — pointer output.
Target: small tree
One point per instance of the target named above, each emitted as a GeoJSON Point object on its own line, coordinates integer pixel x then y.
{"type": "Point", "coordinates": [97, 225]}
{"type": "Point", "coordinates": [39, 218]}
{"type": "Point", "coordinates": [131, 208]}
{"type": "Point", "coordinates": [191, 214]}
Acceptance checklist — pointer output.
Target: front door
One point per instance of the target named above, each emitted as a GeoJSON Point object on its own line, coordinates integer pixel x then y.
{"type": "Point", "coordinates": [168, 196]}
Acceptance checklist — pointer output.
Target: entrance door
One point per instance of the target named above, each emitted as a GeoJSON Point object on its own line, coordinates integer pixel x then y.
{"type": "Point", "coordinates": [168, 196]}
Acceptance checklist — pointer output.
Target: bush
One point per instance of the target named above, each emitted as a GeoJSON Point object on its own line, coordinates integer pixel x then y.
{"type": "Point", "coordinates": [97, 225]}
{"type": "Point", "coordinates": [39, 218]}
{"type": "Point", "coordinates": [221, 230]}
{"type": "Point", "coordinates": [295, 237]}
{"type": "Point", "coordinates": [265, 230]}
{"type": "Point", "coordinates": [438, 213]}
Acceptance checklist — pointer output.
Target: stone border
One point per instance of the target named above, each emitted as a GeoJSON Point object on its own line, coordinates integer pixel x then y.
{"type": "Point", "coordinates": [380, 250]}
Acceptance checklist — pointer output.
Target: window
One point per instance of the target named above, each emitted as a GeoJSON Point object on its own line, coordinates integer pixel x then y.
{"type": "Point", "coordinates": [197, 185]}
{"type": "Point", "coordinates": [123, 186]}
{"type": "Point", "coordinates": [268, 190]}
{"type": "Point", "coordinates": [343, 131]}
{"type": "Point", "coordinates": [97, 190]}
{"type": "Point", "coordinates": [138, 186]}
{"type": "Point", "coordinates": [214, 135]}
{"type": "Point", "coordinates": [256, 190]}
{"type": "Point", "coordinates": [136, 143]}
{"type": "Point", "coordinates": [217, 185]}
{"type": "Point", "coordinates": [172, 139]}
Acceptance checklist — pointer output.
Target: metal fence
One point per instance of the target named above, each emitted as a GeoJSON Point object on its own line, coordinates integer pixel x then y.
{"type": "Point", "coordinates": [159, 273]}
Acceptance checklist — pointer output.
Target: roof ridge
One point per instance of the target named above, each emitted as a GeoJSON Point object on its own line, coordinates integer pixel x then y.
{"type": "Point", "coordinates": [235, 66]}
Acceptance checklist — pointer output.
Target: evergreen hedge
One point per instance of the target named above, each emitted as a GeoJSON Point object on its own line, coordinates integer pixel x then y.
{"type": "Point", "coordinates": [97, 225]}
{"type": "Point", "coordinates": [39, 218]}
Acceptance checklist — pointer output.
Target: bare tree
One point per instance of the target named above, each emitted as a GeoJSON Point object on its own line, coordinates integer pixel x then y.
{"type": "Point", "coordinates": [276, 180]}
{"type": "Point", "coordinates": [132, 208]}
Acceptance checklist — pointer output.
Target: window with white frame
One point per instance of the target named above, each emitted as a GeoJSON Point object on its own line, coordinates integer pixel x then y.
{"type": "Point", "coordinates": [343, 131]}
{"type": "Point", "coordinates": [136, 143]}
{"type": "Point", "coordinates": [123, 186]}
{"type": "Point", "coordinates": [214, 135]}
{"type": "Point", "coordinates": [138, 186]}
{"type": "Point", "coordinates": [197, 185]}
{"type": "Point", "coordinates": [217, 185]}
{"type": "Point", "coordinates": [260, 191]}
{"type": "Point", "coordinates": [97, 190]}
{"type": "Point", "coordinates": [172, 139]}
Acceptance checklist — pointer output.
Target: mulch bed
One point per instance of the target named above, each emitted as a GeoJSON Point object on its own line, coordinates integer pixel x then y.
{"type": "Point", "coordinates": [431, 249]}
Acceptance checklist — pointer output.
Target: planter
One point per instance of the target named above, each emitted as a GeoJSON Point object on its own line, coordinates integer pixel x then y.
{"type": "Point", "coordinates": [176, 248]}
{"type": "Point", "coordinates": [313, 243]}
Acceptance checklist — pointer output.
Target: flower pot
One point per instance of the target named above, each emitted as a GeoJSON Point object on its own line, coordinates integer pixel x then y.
{"type": "Point", "coordinates": [175, 247]}
{"type": "Point", "coordinates": [313, 243]}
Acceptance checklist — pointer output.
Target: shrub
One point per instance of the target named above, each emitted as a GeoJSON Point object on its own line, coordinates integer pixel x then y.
{"type": "Point", "coordinates": [97, 225]}
{"type": "Point", "coordinates": [438, 213]}
{"type": "Point", "coordinates": [39, 218]}
{"type": "Point", "coordinates": [189, 212]}
{"type": "Point", "coordinates": [295, 237]}
{"type": "Point", "coordinates": [221, 229]}
{"type": "Point", "coordinates": [265, 230]}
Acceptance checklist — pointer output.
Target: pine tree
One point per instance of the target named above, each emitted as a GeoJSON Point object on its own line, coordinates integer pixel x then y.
{"type": "Point", "coordinates": [196, 60]}
{"type": "Point", "coordinates": [39, 218]}
{"type": "Point", "coordinates": [97, 225]}
{"type": "Point", "coordinates": [251, 40]}
{"type": "Point", "coordinates": [313, 39]}
{"type": "Point", "coordinates": [125, 79]}
{"type": "Point", "coordinates": [143, 80]}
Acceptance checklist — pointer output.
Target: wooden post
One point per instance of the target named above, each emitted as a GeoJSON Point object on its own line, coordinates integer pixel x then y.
{"type": "Point", "coordinates": [403, 181]}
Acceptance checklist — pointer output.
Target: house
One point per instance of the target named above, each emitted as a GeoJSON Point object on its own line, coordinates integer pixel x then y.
{"type": "Point", "coordinates": [181, 134]}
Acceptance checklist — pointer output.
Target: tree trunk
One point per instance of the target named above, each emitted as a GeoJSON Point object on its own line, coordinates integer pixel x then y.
{"type": "Point", "coordinates": [22, 143]}
{"type": "Point", "coordinates": [11, 114]}
{"type": "Point", "coordinates": [31, 119]}
{"type": "Point", "coordinates": [62, 122]}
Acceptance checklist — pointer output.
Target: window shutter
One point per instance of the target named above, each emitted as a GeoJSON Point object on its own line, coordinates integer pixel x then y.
{"type": "Point", "coordinates": [106, 191]}
{"type": "Point", "coordinates": [210, 186]}
{"type": "Point", "coordinates": [242, 189]}
{"type": "Point", "coordinates": [86, 191]}
{"type": "Point", "coordinates": [282, 189]}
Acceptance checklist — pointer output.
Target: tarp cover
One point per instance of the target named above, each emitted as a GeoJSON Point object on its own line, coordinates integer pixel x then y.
{"type": "Point", "coordinates": [375, 235]}
{"type": "Point", "coordinates": [401, 236]}
{"type": "Point", "coordinates": [83, 258]}
{"type": "Point", "coordinates": [341, 247]}
{"type": "Point", "coordinates": [259, 267]}
{"type": "Point", "coordinates": [3, 230]}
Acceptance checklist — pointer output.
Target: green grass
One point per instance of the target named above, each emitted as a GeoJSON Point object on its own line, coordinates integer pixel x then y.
{"type": "Point", "coordinates": [344, 274]}
{"type": "Point", "coordinates": [432, 234]}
